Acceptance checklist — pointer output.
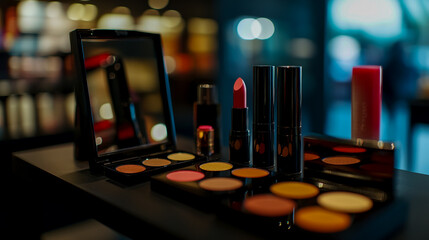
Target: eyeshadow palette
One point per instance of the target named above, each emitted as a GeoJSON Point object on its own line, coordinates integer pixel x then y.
{"type": "Point", "coordinates": [363, 165]}
{"type": "Point", "coordinates": [124, 119]}
{"type": "Point", "coordinates": [137, 169]}
{"type": "Point", "coordinates": [271, 205]}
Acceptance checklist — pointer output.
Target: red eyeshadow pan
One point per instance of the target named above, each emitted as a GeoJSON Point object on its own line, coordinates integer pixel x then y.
{"type": "Point", "coordinates": [345, 149]}
{"type": "Point", "coordinates": [185, 176]}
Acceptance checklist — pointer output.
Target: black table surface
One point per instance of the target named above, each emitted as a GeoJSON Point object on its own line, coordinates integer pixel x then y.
{"type": "Point", "coordinates": [137, 211]}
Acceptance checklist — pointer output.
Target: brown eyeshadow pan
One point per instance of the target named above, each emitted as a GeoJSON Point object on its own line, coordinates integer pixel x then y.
{"type": "Point", "coordinates": [269, 205]}
{"type": "Point", "coordinates": [341, 160]}
{"type": "Point", "coordinates": [156, 162]}
{"type": "Point", "coordinates": [220, 184]}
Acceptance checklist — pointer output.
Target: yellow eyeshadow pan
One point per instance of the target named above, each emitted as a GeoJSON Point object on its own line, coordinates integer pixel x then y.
{"type": "Point", "coordinates": [156, 162]}
{"type": "Point", "coordinates": [341, 160]}
{"type": "Point", "coordinates": [220, 184]}
{"type": "Point", "coordinates": [181, 156]}
{"type": "Point", "coordinates": [130, 168]}
{"type": "Point", "coordinates": [216, 166]}
{"type": "Point", "coordinates": [268, 205]}
{"type": "Point", "coordinates": [249, 172]}
{"type": "Point", "coordinates": [347, 202]}
{"type": "Point", "coordinates": [320, 220]}
{"type": "Point", "coordinates": [294, 190]}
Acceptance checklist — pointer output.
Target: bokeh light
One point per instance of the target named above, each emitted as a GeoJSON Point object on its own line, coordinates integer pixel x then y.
{"type": "Point", "coordinates": [158, 132]}
{"type": "Point", "coordinates": [377, 18]}
{"type": "Point", "coordinates": [106, 111]}
{"type": "Point", "coordinates": [76, 11]}
{"type": "Point", "coordinates": [344, 48]}
{"type": "Point", "coordinates": [267, 28]}
{"type": "Point", "coordinates": [251, 28]}
{"type": "Point", "coordinates": [157, 4]}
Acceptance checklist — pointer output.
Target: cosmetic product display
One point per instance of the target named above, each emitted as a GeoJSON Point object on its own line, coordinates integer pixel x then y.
{"type": "Point", "coordinates": [289, 133]}
{"type": "Point", "coordinates": [317, 206]}
{"type": "Point", "coordinates": [207, 112]}
{"type": "Point", "coordinates": [263, 117]}
{"type": "Point", "coordinates": [239, 138]}
{"type": "Point", "coordinates": [366, 102]}
{"type": "Point", "coordinates": [205, 140]}
{"type": "Point", "coordinates": [124, 119]}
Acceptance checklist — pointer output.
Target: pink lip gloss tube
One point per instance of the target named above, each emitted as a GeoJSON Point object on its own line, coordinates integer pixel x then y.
{"type": "Point", "coordinates": [366, 102]}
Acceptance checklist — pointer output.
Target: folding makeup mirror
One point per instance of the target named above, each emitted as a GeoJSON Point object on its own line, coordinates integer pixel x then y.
{"type": "Point", "coordinates": [123, 97]}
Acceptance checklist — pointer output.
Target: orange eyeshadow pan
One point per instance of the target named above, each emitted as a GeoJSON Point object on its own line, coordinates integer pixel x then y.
{"type": "Point", "coordinates": [340, 160]}
{"type": "Point", "coordinates": [130, 168]}
{"type": "Point", "coordinates": [250, 172]}
{"type": "Point", "coordinates": [310, 156]}
{"type": "Point", "coordinates": [318, 219]}
{"type": "Point", "coordinates": [268, 205]}
{"type": "Point", "coordinates": [294, 190]}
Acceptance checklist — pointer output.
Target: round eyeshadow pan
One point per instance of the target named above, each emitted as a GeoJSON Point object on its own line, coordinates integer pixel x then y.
{"type": "Point", "coordinates": [347, 202]}
{"type": "Point", "coordinates": [341, 160]}
{"type": "Point", "coordinates": [216, 166]}
{"type": "Point", "coordinates": [318, 219]}
{"type": "Point", "coordinates": [130, 168]}
{"type": "Point", "coordinates": [185, 176]}
{"type": "Point", "coordinates": [156, 162]}
{"type": "Point", "coordinates": [220, 184]}
{"type": "Point", "coordinates": [310, 156]}
{"type": "Point", "coordinates": [268, 205]}
{"type": "Point", "coordinates": [346, 149]}
{"type": "Point", "coordinates": [294, 190]}
{"type": "Point", "coordinates": [181, 156]}
{"type": "Point", "coordinates": [250, 172]}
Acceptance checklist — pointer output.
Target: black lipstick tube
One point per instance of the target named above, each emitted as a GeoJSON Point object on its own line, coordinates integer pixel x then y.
{"type": "Point", "coordinates": [239, 138]}
{"type": "Point", "coordinates": [289, 133]}
{"type": "Point", "coordinates": [263, 117]}
{"type": "Point", "coordinates": [206, 111]}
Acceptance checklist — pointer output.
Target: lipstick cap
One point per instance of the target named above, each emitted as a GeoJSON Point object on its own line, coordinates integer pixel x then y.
{"type": "Point", "coordinates": [263, 102]}
{"type": "Point", "coordinates": [366, 102]}
{"type": "Point", "coordinates": [289, 97]}
{"type": "Point", "coordinates": [206, 94]}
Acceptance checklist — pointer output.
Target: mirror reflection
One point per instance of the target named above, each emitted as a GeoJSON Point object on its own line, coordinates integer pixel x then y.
{"type": "Point", "coordinates": [124, 91]}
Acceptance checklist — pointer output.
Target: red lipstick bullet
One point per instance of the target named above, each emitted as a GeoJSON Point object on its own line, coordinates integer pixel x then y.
{"type": "Point", "coordinates": [239, 95]}
{"type": "Point", "coordinates": [239, 138]}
